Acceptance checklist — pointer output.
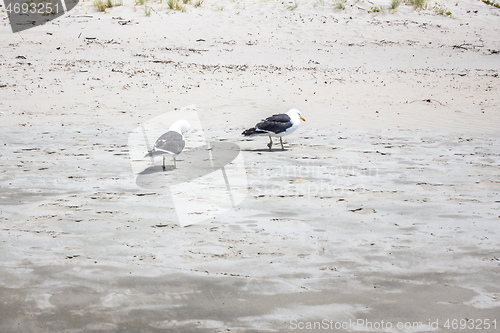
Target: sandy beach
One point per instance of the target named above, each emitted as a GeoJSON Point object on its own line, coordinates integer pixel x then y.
{"type": "Point", "coordinates": [382, 214]}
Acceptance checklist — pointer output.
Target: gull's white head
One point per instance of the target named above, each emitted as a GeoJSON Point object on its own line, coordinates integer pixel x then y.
{"type": "Point", "coordinates": [180, 126]}
{"type": "Point", "coordinates": [295, 114]}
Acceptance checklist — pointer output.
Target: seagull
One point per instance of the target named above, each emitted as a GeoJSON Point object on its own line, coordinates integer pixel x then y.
{"type": "Point", "coordinates": [172, 142]}
{"type": "Point", "coordinates": [277, 125]}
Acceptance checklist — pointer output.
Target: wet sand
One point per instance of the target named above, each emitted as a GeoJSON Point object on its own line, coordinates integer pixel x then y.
{"type": "Point", "coordinates": [384, 208]}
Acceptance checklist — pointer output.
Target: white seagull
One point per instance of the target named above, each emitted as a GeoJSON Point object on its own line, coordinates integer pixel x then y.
{"type": "Point", "coordinates": [277, 125]}
{"type": "Point", "coordinates": [172, 142]}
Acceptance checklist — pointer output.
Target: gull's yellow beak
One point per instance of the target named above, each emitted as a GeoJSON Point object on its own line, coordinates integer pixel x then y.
{"type": "Point", "coordinates": [304, 119]}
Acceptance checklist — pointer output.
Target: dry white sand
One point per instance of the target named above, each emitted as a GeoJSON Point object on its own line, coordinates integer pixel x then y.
{"type": "Point", "coordinates": [385, 207]}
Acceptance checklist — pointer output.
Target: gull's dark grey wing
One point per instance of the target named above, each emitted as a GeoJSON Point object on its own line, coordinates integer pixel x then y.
{"type": "Point", "coordinates": [280, 118]}
{"type": "Point", "coordinates": [170, 142]}
{"type": "Point", "coordinates": [276, 124]}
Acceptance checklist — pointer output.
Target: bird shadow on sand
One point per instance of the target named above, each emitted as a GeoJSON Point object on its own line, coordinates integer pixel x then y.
{"type": "Point", "coordinates": [264, 150]}
{"type": "Point", "coordinates": [156, 168]}
{"type": "Point", "coordinates": [196, 162]}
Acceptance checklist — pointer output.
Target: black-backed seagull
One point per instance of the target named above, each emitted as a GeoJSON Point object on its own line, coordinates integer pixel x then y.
{"type": "Point", "coordinates": [172, 142]}
{"type": "Point", "coordinates": [277, 125]}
